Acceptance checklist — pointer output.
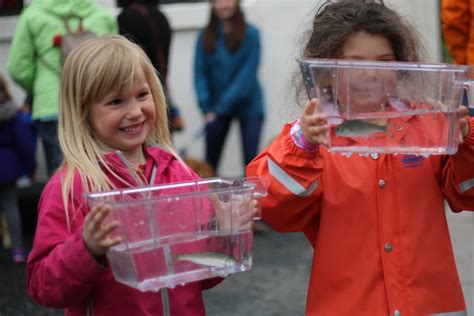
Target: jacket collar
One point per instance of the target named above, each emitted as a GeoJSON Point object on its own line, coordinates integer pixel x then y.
{"type": "Point", "coordinates": [155, 157]}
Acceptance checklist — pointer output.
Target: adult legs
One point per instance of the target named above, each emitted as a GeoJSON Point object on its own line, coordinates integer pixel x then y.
{"type": "Point", "coordinates": [9, 206]}
{"type": "Point", "coordinates": [250, 129]}
{"type": "Point", "coordinates": [216, 133]}
{"type": "Point", "coordinates": [48, 133]}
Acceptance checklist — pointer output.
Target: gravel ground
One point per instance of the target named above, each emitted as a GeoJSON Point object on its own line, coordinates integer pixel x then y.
{"type": "Point", "coordinates": [276, 285]}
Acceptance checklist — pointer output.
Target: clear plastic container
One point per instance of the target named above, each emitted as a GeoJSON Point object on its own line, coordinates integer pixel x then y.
{"type": "Point", "coordinates": [387, 107]}
{"type": "Point", "coordinates": [181, 232]}
{"type": "Point", "coordinates": [469, 86]}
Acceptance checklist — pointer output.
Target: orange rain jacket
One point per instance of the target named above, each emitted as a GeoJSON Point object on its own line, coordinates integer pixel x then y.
{"type": "Point", "coordinates": [377, 225]}
{"type": "Point", "coordinates": [458, 29]}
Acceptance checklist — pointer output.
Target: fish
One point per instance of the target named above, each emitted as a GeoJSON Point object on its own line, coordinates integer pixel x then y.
{"type": "Point", "coordinates": [356, 128]}
{"type": "Point", "coordinates": [212, 259]}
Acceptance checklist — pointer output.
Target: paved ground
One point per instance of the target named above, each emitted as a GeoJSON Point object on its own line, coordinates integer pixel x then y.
{"type": "Point", "coordinates": [275, 286]}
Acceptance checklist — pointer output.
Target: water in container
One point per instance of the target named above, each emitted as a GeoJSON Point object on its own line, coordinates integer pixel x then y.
{"type": "Point", "coordinates": [387, 107]}
{"type": "Point", "coordinates": [181, 232]}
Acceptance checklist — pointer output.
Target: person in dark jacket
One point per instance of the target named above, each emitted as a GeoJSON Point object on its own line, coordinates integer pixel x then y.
{"type": "Point", "coordinates": [142, 22]}
{"type": "Point", "coordinates": [16, 153]}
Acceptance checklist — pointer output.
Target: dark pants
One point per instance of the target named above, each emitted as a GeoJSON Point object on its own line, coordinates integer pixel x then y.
{"type": "Point", "coordinates": [48, 133]}
{"type": "Point", "coordinates": [9, 206]}
{"type": "Point", "coordinates": [216, 133]}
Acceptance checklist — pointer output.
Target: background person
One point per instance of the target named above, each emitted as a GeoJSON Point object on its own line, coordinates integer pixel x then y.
{"type": "Point", "coordinates": [16, 155]}
{"type": "Point", "coordinates": [144, 23]}
{"type": "Point", "coordinates": [225, 77]}
{"type": "Point", "coordinates": [34, 60]}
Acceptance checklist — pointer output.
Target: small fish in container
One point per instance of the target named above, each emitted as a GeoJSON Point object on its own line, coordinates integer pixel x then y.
{"type": "Point", "coordinates": [387, 107]}
{"type": "Point", "coordinates": [182, 232]}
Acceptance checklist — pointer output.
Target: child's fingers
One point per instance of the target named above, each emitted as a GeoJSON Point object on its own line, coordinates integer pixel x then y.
{"type": "Point", "coordinates": [90, 217]}
{"type": "Point", "coordinates": [462, 111]}
{"type": "Point", "coordinates": [318, 130]}
{"type": "Point", "coordinates": [316, 119]}
{"type": "Point", "coordinates": [247, 213]}
{"type": "Point", "coordinates": [106, 230]}
{"type": "Point", "coordinates": [96, 219]}
{"type": "Point", "coordinates": [311, 107]}
{"type": "Point", "coordinates": [110, 242]}
{"type": "Point", "coordinates": [254, 205]}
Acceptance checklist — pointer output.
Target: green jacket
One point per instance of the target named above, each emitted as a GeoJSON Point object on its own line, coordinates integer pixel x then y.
{"type": "Point", "coordinates": [35, 30]}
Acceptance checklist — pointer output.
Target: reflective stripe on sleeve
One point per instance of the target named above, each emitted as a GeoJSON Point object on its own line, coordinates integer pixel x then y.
{"type": "Point", "coordinates": [460, 313]}
{"type": "Point", "coordinates": [288, 182]}
{"type": "Point", "coordinates": [466, 185]}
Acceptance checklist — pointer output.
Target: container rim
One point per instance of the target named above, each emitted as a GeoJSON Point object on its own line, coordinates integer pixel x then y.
{"type": "Point", "coordinates": [103, 196]}
{"type": "Point", "coordinates": [395, 65]}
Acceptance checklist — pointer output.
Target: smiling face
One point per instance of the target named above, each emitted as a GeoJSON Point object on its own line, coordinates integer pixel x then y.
{"type": "Point", "coordinates": [369, 89]}
{"type": "Point", "coordinates": [123, 119]}
{"type": "Point", "coordinates": [224, 9]}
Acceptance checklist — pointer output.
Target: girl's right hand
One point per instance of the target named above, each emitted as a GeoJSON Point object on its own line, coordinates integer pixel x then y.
{"type": "Point", "coordinates": [314, 124]}
{"type": "Point", "coordinates": [234, 214]}
{"type": "Point", "coordinates": [96, 234]}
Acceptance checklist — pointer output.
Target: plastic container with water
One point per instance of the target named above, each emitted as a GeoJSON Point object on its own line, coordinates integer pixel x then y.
{"type": "Point", "coordinates": [181, 232]}
{"type": "Point", "coordinates": [387, 107]}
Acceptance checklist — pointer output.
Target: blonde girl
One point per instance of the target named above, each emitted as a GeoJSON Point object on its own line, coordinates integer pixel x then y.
{"type": "Point", "coordinates": [113, 132]}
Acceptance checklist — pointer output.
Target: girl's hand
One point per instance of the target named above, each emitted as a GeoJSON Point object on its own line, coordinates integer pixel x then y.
{"type": "Point", "coordinates": [234, 214]}
{"type": "Point", "coordinates": [464, 126]}
{"type": "Point", "coordinates": [314, 124]}
{"type": "Point", "coordinates": [95, 232]}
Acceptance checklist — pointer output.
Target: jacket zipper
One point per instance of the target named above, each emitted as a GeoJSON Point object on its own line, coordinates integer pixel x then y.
{"type": "Point", "coordinates": [164, 291]}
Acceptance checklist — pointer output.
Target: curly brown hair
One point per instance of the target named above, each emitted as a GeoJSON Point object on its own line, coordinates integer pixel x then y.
{"type": "Point", "coordinates": [335, 22]}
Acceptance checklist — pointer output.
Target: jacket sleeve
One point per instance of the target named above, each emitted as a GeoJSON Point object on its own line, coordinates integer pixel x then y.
{"type": "Point", "coordinates": [243, 85]}
{"type": "Point", "coordinates": [60, 271]}
{"type": "Point", "coordinates": [458, 174]}
{"type": "Point", "coordinates": [201, 82]}
{"type": "Point", "coordinates": [21, 62]}
{"type": "Point", "coordinates": [114, 28]}
{"type": "Point", "coordinates": [295, 186]}
{"type": "Point", "coordinates": [112, 25]}
{"type": "Point", "coordinates": [456, 24]}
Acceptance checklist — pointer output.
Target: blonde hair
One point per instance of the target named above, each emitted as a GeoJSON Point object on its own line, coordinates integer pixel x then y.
{"type": "Point", "coordinates": [96, 68]}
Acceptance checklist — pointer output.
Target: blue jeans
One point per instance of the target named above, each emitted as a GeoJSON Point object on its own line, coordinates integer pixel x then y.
{"type": "Point", "coordinates": [9, 207]}
{"type": "Point", "coordinates": [216, 133]}
{"type": "Point", "coordinates": [48, 133]}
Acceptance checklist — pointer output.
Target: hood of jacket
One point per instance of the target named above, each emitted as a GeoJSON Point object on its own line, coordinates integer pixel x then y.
{"type": "Point", "coordinates": [81, 8]}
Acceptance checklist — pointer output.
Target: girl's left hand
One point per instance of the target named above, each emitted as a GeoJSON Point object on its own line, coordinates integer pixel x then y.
{"type": "Point", "coordinates": [464, 126]}
{"type": "Point", "coordinates": [95, 232]}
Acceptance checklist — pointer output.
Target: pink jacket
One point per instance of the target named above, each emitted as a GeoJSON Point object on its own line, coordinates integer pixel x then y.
{"type": "Point", "coordinates": [62, 274]}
